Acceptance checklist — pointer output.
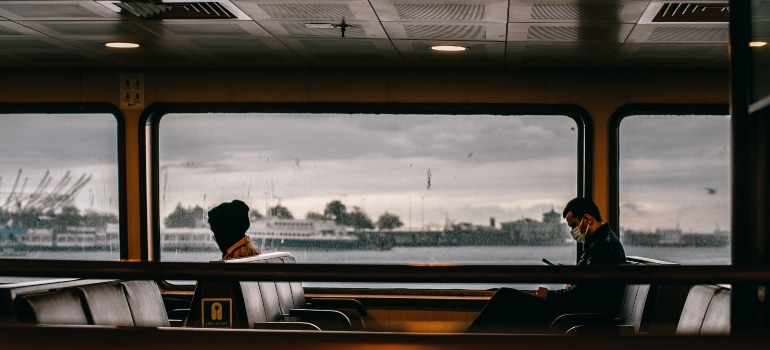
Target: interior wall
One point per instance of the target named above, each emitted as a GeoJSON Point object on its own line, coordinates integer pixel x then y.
{"type": "Point", "coordinates": [599, 92]}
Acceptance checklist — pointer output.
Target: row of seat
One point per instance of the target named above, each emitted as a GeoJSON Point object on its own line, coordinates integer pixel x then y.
{"type": "Point", "coordinates": [106, 303]}
{"type": "Point", "coordinates": [251, 304]}
{"type": "Point", "coordinates": [704, 311]}
{"type": "Point", "coordinates": [270, 304]}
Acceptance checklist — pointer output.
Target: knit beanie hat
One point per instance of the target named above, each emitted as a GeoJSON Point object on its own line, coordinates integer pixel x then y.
{"type": "Point", "coordinates": [229, 221]}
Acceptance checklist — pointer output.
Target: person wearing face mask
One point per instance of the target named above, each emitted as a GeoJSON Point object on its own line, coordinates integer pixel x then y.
{"type": "Point", "coordinates": [514, 311]}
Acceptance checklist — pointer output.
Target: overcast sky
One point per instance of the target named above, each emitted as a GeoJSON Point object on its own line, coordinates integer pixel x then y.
{"type": "Point", "coordinates": [675, 172]}
{"type": "Point", "coordinates": [78, 144]}
{"type": "Point", "coordinates": [461, 168]}
{"type": "Point", "coordinates": [423, 168]}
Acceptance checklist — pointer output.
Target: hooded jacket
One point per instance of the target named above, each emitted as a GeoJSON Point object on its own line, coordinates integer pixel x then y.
{"type": "Point", "coordinates": [229, 221]}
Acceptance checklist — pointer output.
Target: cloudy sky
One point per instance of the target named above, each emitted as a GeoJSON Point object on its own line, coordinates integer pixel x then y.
{"type": "Point", "coordinates": [425, 169]}
{"type": "Point", "coordinates": [675, 172]}
{"type": "Point", "coordinates": [78, 144]}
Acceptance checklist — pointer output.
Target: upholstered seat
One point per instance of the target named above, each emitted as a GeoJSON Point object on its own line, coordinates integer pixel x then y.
{"type": "Point", "coordinates": [58, 307]}
{"type": "Point", "coordinates": [146, 303]}
{"type": "Point", "coordinates": [106, 305]}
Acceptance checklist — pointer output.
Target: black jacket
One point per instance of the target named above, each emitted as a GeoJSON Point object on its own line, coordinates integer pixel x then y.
{"type": "Point", "coordinates": [601, 248]}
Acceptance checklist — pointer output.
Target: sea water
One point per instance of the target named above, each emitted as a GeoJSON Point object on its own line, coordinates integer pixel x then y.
{"type": "Point", "coordinates": [474, 255]}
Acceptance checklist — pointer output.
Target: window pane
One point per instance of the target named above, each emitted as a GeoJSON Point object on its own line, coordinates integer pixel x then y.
{"type": "Point", "coordinates": [380, 188]}
{"type": "Point", "coordinates": [674, 188]}
{"type": "Point", "coordinates": [59, 186]}
{"type": "Point", "coordinates": [760, 55]}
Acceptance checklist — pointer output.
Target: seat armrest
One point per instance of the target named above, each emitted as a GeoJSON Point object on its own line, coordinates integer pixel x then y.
{"type": "Point", "coordinates": [601, 329]}
{"type": "Point", "coordinates": [338, 303]}
{"type": "Point", "coordinates": [295, 326]}
{"type": "Point", "coordinates": [178, 314]}
{"type": "Point", "coordinates": [565, 322]}
{"type": "Point", "coordinates": [335, 320]}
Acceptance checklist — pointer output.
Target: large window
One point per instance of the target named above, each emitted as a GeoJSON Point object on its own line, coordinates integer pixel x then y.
{"type": "Point", "coordinates": [59, 186]}
{"type": "Point", "coordinates": [372, 188]}
{"type": "Point", "coordinates": [674, 187]}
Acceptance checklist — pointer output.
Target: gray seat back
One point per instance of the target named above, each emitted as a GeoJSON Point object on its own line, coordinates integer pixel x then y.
{"type": "Point", "coordinates": [58, 307]}
{"type": "Point", "coordinates": [695, 307]}
{"type": "Point", "coordinates": [717, 318]}
{"type": "Point", "coordinates": [146, 303]}
{"type": "Point", "coordinates": [106, 304]}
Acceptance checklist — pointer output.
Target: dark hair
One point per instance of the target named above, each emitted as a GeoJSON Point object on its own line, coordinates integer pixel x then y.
{"type": "Point", "coordinates": [580, 206]}
{"type": "Point", "coordinates": [229, 221]}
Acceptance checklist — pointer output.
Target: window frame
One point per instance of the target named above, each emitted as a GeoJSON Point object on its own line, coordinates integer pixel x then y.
{"type": "Point", "coordinates": [644, 109]}
{"type": "Point", "coordinates": [153, 114]}
{"type": "Point", "coordinates": [90, 108]}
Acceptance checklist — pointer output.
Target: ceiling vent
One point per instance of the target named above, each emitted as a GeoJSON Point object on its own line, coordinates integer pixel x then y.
{"type": "Point", "coordinates": [683, 12]}
{"type": "Point", "coordinates": [174, 10]}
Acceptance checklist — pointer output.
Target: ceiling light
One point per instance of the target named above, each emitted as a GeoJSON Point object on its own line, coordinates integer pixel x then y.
{"type": "Point", "coordinates": [757, 43]}
{"type": "Point", "coordinates": [121, 45]}
{"type": "Point", "coordinates": [448, 48]}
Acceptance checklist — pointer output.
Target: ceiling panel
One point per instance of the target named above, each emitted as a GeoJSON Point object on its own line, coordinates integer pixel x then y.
{"type": "Point", "coordinates": [364, 33]}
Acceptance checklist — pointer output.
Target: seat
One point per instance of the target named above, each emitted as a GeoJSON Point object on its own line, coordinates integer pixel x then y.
{"type": "Point", "coordinates": [146, 303]}
{"type": "Point", "coordinates": [106, 305]}
{"type": "Point", "coordinates": [282, 303]}
{"type": "Point", "coordinates": [257, 302]}
{"type": "Point", "coordinates": [706, 311]}
{"type": "Point", "coordinates": [293, 294]}
{"type": "Point", "coordinates": [717, 318]}
{"type": "Point", "coordinates": [629, 320]}
{"type": "Point", "coordinates": [695, 307]}
{"type": "Point", "coordinates": [58, 307]}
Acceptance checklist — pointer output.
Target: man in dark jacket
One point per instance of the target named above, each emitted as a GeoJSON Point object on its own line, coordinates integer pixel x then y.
{"type": "Point", "coordinates": [514, 311]}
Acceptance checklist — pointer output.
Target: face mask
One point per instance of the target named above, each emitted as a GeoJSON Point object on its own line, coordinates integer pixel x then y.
{"type": "Point", "coordinates": [580, 237]}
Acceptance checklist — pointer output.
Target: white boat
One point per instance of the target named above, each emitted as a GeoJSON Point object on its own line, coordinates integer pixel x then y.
{"type": "Point", "coordinates": [268, 234]}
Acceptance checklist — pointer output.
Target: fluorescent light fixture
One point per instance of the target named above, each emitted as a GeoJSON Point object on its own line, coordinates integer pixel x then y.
{"type": "Point", "coordinates": [757, 43]}
{"type": "Point", "coordinates": [121, 45]}
{"type": "Point", "coordinates": [448, 48]}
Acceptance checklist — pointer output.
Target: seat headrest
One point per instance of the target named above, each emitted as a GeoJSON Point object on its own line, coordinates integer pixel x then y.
{"type": "Point", "coordinates": [256, 258]}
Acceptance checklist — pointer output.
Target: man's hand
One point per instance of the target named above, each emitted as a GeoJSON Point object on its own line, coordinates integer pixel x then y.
{"type": "Point", "coordinates": [542, 293]}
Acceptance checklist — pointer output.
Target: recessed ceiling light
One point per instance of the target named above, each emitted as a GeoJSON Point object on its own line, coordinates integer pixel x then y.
{"type": "Point", "coordinates": [757, 43]}
{"type": "Point", "coordinates": [121, 45]}
{"type": "Point", "coordinates": [450, 48]}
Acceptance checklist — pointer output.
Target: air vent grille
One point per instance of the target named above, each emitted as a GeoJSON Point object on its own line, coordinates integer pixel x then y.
{"type": "Point", "coordinates": [690, 12]}
{"type": "Point", "coordinates": [469, 12]}
{"type": "Point", "coordinates": [307, 11]}
{"type": "Point", "coordinates": [450, 31]}
{"type": "Point", "coordinates": [569, 33]}
{"type": "Point", "coordinates": [576, 12]}
{"type": "Point", "coordinates": [176, 10]}
{"type": "Point", "coordinates": [679, 34]}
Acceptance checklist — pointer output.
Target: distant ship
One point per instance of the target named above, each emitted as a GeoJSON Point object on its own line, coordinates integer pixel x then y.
{"type": "Point", "coordinates": [675, 238]}
{"type": "Point", "coordinates": [268, 234]}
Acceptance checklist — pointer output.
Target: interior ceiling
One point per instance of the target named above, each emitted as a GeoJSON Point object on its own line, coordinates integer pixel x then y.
{"type": "Point", "coordinates": [379, 33]}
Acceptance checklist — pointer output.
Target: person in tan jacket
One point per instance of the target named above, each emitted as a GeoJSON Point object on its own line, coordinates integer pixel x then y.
{"type": "Point", "coordinates": [229, 221]}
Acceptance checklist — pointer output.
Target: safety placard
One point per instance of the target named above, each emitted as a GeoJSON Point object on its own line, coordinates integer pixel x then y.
{"type": "Point", "coordinates": [131, 91]}
{"type": "Point", "coordinates": [217, 312]}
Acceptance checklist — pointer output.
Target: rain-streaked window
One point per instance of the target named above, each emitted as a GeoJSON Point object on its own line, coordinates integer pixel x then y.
{"type": "Point", "coordinates": [675, 188]}
{"type": "Point", "coordinates": [59, 186]}
{"type": "Point", "coordinates": [366, 188]}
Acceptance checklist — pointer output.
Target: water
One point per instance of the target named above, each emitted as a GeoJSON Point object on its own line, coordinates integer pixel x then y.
{"type": "Point", "coordinates": [484, 255]}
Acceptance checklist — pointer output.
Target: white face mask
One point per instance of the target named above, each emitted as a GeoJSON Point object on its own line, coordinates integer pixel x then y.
{"type": "Point", "coordinates": [580, 237]}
